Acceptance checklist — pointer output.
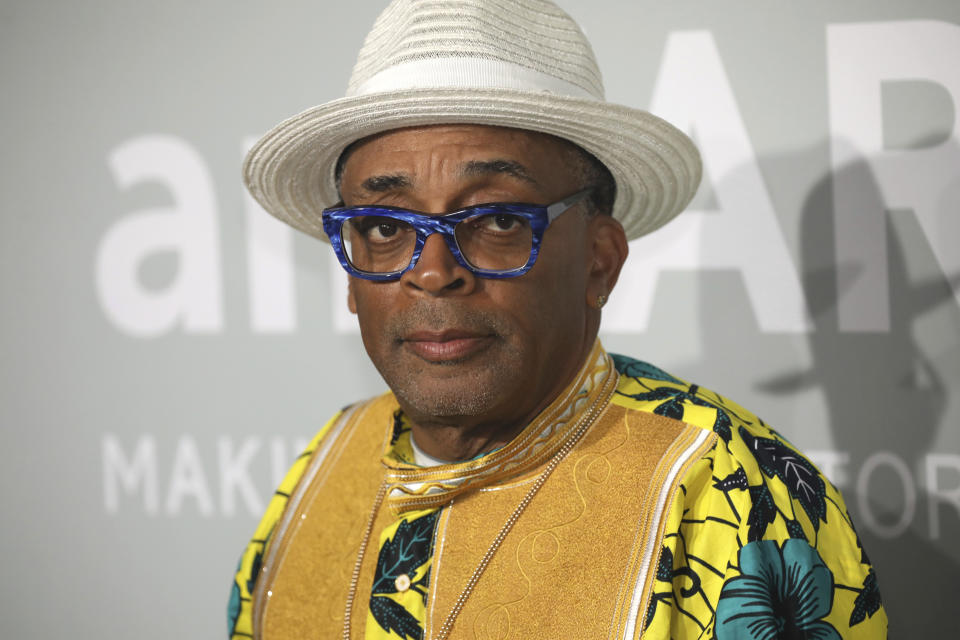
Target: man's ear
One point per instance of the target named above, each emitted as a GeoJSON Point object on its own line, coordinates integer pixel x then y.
{"type": "Point", "coordinates": [351, 301]}
{"type": "Point", "coordinates": [608, 252]}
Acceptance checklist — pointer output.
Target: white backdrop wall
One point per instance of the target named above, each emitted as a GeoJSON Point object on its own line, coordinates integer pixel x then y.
{"type": "Point", "coordinates": [167, 348]}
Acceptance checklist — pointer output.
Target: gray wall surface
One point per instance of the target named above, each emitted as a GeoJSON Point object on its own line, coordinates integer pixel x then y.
{"type": "Point", "coordinates": [167, 347]}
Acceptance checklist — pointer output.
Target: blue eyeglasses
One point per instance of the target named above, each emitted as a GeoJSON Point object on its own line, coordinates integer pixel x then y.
{"type": "Point", "coordinates": [499, 240]}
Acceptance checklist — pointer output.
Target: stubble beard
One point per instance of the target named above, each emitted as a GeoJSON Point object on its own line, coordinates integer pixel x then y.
{"type": "Point", "coordinates": [467, 388]}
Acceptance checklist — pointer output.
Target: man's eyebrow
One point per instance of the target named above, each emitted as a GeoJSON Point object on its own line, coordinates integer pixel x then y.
{"type": "Point", "coordinates": [487, 167]}
{"type": "Point", "coordinates": [384, 183]}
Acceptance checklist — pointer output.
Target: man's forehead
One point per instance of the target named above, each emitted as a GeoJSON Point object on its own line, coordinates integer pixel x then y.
{"type": "Point", "coordinates": [382, 181]}
{"type": "Point", "coordinates": [392, 158]}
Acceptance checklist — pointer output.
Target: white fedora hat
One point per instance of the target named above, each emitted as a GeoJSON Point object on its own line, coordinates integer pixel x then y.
{"type": "Point", "coordinates": [511, 63]}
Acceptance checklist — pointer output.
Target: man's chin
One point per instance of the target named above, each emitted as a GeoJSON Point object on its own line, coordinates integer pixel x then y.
{"type": "Point", "coordinates": [446, 398]}
{"type": "Point", "coordinates": [474, 376]}
{"type": "Point", "coordinates": [474, 386]}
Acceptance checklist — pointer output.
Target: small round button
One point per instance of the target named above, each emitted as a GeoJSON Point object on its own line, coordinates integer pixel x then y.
{"type": "Point", "coordinates": [402, 583]}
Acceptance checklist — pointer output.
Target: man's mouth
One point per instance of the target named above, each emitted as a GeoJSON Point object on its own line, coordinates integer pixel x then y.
{"type": "Point", "coordinates": [446, 346]}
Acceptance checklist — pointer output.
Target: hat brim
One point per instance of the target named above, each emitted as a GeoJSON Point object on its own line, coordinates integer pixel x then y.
{"type": "Point", "coordinates": [290, 171]}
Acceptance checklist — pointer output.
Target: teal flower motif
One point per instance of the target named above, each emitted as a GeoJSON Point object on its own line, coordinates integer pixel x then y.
{"type": "Point", "coordinates": [782, 594]}
{"type": "Point", "coordinates": [233, 609]}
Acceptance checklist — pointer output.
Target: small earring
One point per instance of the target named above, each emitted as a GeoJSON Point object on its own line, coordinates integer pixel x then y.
{"type": "Point", "coordinates": [601, 300]}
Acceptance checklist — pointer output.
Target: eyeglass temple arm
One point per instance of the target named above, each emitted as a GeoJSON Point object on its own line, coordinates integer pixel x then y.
{"type": "Point", "coordinates": [554, 210]}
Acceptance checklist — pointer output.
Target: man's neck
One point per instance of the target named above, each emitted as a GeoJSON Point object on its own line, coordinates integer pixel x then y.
{"type": "Point", "coordinates": [454, 443]}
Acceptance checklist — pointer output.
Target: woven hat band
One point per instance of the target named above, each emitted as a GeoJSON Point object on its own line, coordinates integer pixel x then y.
{"type": "Point", "coordinates": [467, 73]}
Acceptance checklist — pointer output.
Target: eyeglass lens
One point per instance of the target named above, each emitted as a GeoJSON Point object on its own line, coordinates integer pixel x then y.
{"type": "Point", "coordinates": [492, 242]}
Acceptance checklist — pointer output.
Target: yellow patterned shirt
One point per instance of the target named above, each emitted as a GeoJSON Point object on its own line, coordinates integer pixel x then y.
{"type": "Point", "coordinates": [757, 543]}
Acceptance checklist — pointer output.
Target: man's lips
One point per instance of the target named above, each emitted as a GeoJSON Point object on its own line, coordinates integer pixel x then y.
{"type": "Point", "coordinates": [447, 345]}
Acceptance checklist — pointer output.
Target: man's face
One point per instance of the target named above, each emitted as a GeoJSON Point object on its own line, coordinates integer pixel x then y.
{"type": "Point", "coordinates": [455, 348]}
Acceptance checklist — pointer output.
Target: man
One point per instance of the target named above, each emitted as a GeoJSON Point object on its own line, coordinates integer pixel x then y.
{"type": "Point", "coordinates": [517, 481]}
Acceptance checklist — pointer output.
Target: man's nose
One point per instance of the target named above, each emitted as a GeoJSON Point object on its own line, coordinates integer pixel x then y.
{"type": "Point", "coordinates": [437, 272]}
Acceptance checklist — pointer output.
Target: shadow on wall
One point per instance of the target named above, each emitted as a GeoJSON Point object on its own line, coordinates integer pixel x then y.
{"type": "Point", "coordinates": [884, 393]}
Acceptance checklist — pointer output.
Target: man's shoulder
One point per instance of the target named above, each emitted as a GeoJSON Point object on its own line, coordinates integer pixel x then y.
{"type": "Point", "coordinates": [751, 506]}
{"type": "Point", "coordinates": [779, 493]}
{"type": "Point", "coordinates": [741, 435]}
{"type": "Point", "coordinates": [645, 387]}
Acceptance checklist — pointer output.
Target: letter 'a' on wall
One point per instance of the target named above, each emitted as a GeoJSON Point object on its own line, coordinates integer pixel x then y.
{"type": "Point", "coordinates": [188, 229]}
{"type": "Point", "coordinates": [869, 179]}
{"type": "Point", "coordinates": [693, 92]}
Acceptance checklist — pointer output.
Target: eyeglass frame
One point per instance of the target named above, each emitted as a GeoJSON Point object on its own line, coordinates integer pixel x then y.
{"type": "Point", "coordinates": [539, 217]}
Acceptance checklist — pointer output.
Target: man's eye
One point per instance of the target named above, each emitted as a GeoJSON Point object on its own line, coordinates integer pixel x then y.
{"type": "Point", "coordinates": [500, 223]}
{"type": "Point", "coordinates": [386, 229]}
{"type": "Point", "coordinates": [375, 229]}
